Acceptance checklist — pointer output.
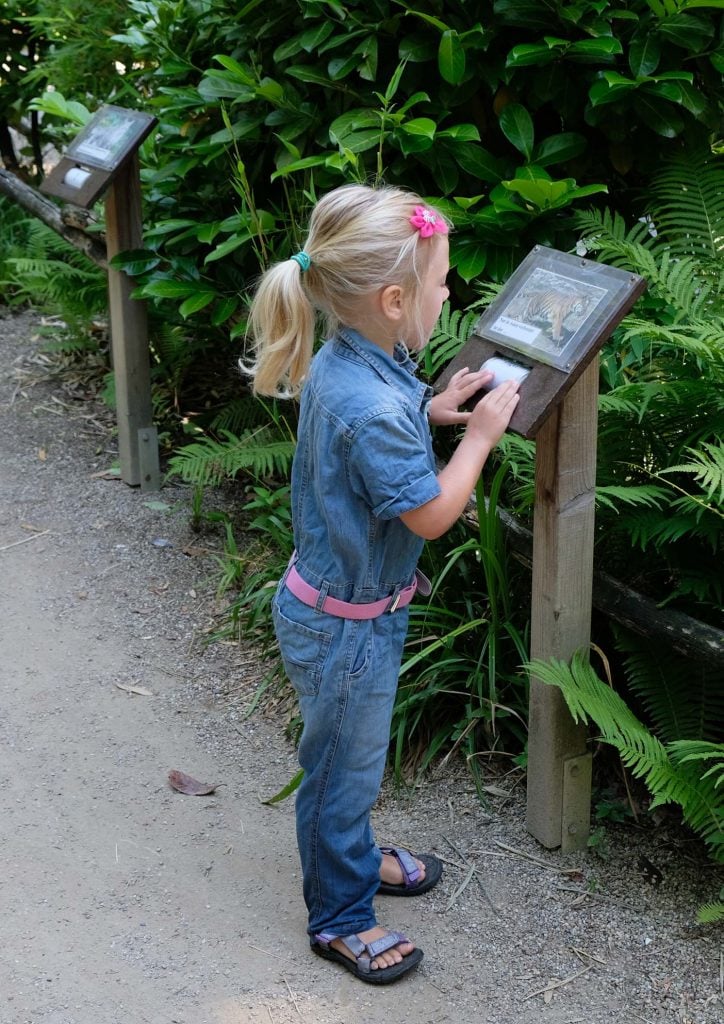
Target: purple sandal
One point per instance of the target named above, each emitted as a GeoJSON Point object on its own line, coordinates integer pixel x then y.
{"type": "Point", "coordinates": [364, 953]}
{"type": "Point", "coordinates": [411, 884]}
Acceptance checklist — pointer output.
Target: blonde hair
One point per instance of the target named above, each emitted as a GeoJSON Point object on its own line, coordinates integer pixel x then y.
{"type": "Point", "coordinates": [360, 240]}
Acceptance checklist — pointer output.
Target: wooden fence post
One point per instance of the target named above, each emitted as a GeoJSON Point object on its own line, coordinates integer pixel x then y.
{"type": "Point", "coordinates": [129, 332]}
{"type": "Point", "coordinates": [559, 768]}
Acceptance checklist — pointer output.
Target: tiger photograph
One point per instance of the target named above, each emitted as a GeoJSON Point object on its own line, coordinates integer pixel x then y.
{"type": "Point", "coordinates": [557, 306]}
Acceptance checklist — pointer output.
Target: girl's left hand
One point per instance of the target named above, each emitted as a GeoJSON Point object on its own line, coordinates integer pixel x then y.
{"type": "Point", "coordinates": [463, 385]}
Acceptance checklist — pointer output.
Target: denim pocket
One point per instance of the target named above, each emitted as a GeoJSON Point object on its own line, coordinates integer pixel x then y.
{"type": "Point", "coordinates": [362, 650]}
{"type": "Point", "coordinates": [304, 651]}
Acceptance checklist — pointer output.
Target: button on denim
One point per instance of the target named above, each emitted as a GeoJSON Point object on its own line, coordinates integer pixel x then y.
{"type": "Point", "coordinates": [364, 457]}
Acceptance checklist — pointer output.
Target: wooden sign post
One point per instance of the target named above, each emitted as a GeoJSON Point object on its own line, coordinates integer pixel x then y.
{"type": "Point", "coordinates": [104, 156]}
{"type": "Point", "coordinates": [559, 766]}
{"type": "Point", "coordinates": [545, 330]}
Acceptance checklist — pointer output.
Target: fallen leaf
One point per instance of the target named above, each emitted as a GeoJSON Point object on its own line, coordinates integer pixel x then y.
{"type": "Point", "coordinates": [42, 454]}
{"type": "Point", "coordinates": [140, 690]}
{"type": "Point", "coordinates": [496, 791]}
{"type": "Point", "coordinates": [191, 787]}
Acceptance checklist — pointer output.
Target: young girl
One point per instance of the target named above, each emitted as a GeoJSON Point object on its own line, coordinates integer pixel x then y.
{"type": "Point", "coordinates": [365, 495]}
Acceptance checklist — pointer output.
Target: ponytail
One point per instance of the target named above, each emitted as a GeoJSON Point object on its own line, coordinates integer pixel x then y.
{"type": "Point", "coordinates": [281, 321]}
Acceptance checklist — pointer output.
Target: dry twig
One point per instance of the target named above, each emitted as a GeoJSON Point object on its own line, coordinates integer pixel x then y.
{"type": "Point", "coordinates": [581, 953]}
{"type": "Point", "coordinates": [597, 896]}
{"type": "Point", "coordinates": [461, 888]}
{"type": "Point", "coordinates": [553, 985]}
{"type": "Point", "coordinates": [472, 871]}
{"type": "Point", "coordinates": [291, 995]}
{"type": "Point", "coordinates": [266, 952]}
{"type": "Point", "coordinates": [25, 540]}
{"type": "Point", "coordinates": [537, 860]}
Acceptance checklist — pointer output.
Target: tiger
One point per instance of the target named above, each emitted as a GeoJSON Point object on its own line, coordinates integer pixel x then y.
{"type": "Point", "coordinates": [551, 307]}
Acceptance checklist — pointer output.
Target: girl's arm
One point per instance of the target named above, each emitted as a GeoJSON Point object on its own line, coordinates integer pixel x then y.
{"type": "Point", "coordinates": [486, 425]}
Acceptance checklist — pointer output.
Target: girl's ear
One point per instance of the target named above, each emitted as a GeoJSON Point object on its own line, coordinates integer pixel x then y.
{"type": "Point", "coordinates": [391, 302]}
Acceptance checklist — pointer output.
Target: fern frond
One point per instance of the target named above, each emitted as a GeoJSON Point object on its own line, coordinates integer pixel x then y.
{"type": "Point", "coordinates": [678, 281]}
{"type": "Point", "coordinates": [669, 778]}
{"type": "Point", "coordinates": [648, 528]}
{"type": "Point", "coordinates": [698, 584]}
{"type": "Point", "coordinates": [241, 414]}
{"type": "Point", "coordinates": [686, 751]}
{"type": "Point", "coordinates": [710, 913]}
{"type": "Point", "coordinates": [519, 455]}
{"type": "Point", "coordinates": [688, 203]}
{"type": "Point", "coordinates": [677, 278]}
{"type": "Point", "coordinates": [705, 514]}
{"type": "Point", "coordinates": [616, 402]}
{"type": "Point", "coordinates": [259, 453]}
{"type": "Point", "coordinates": [170, 347]}
{"type": "Point", "coordinates": [702, 339]}
{"type": "Point", "coordinates": [707, 467]}
{"type": "Point", "coordinates": [603, 226]}
{"type": "Point", "coordinates": [452, 331]}
{"type": "Point", "coordinates": [645, 494]}
{"type": "Point", "coordinates": [684, 700]}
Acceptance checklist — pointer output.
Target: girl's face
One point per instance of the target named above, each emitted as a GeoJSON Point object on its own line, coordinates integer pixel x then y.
{"type": "Point", "coordinates": [434, 289]}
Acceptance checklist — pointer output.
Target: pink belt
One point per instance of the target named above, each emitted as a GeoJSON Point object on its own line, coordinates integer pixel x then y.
{"type": "Point", "coordinates": [346, 609]}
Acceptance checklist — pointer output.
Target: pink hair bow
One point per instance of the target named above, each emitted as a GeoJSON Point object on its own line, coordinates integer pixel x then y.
{"type": "Point", "coordinates": [427, 222]}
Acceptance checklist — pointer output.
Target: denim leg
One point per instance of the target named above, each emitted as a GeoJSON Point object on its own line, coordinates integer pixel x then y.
{"type": "Point", "coordinates": [346, 677]}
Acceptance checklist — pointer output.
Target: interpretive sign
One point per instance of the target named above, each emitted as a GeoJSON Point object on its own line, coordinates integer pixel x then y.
{"type": "Point", "coordinates": [103, 157]}
{"type": "Point", "coordinates": [97, 154]}
{"type": "Point", "coordinates": [553, 315]}
{"type": "Point", "coordinates": [109, 137]}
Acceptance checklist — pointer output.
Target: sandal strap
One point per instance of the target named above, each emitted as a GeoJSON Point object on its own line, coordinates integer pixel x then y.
{"type": "Point", "coordinates": [411, 873]}
{"type": "Point", "coordinates": [383, 944]}
{"type": "Point", "coordinates": [358, 948]}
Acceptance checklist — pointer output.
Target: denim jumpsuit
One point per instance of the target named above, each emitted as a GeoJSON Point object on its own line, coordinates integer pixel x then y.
{"type": "Point", "coordinates": [364, 457]}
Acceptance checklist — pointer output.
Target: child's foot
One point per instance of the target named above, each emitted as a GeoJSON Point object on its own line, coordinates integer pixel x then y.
{"type": "Point", "coordinates": [387, 959]}
{"type": "Point", "coordinates": [402, 874]}
{"type": "Point", "coordinates": [391, 870]}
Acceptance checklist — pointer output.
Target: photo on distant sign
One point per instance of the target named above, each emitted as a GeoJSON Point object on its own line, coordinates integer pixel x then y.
{"type": "Point", "coordinates": [548, 310]}
{"type": "Point", "coordinates": [109, 137]}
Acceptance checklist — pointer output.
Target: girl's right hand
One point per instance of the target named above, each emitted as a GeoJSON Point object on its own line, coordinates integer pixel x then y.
{"type": "Point", "coordinates": [492, 414]}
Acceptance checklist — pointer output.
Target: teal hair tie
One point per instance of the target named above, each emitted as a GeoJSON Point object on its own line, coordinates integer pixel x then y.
{"type": "Point", "coordinates": [303, 259]}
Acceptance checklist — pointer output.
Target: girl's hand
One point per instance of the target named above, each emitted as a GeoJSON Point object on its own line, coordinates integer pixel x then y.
{"type": "Point", "coordinates": [463, 385]}
{"type": "Point", "coordinates": [492, 414]}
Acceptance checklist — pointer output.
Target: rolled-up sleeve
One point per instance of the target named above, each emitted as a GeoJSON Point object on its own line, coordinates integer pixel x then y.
{"type": "Point", "coordinates": [390, 465]}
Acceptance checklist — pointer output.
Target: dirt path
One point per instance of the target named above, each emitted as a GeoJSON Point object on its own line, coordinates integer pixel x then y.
{"type": "Point", "coordinates": [123, 901]}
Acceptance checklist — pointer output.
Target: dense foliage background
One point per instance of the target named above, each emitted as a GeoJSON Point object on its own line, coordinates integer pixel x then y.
{"type": "Point", "coordinates": [591, 124]}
